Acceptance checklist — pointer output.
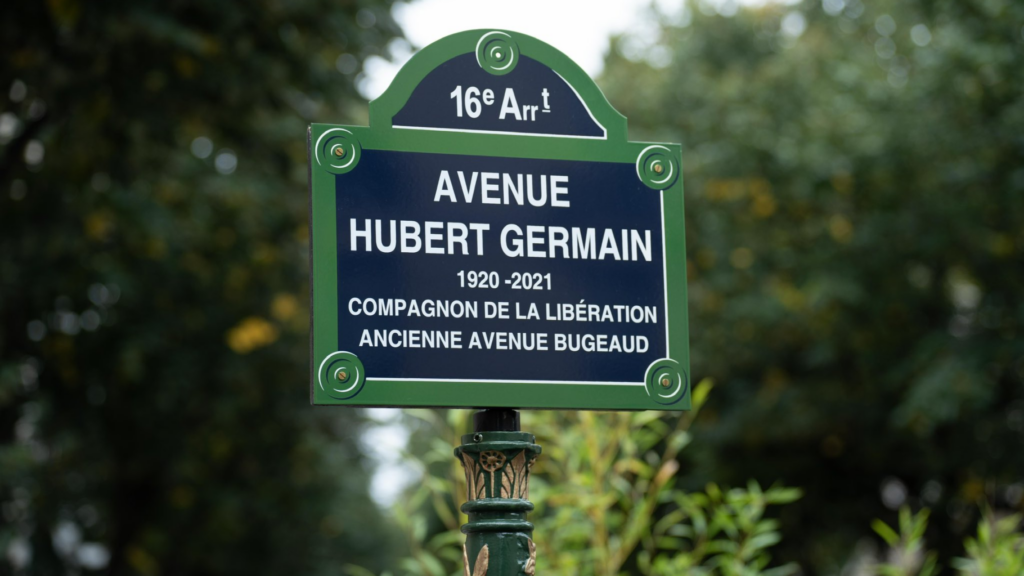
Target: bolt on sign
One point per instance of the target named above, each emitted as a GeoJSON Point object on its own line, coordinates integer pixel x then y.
{"type": "Point", "coordinates": [492, 239]}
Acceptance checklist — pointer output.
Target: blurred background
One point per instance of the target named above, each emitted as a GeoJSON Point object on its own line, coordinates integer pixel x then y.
{"type": "Point", "coordinates": [854, 177]}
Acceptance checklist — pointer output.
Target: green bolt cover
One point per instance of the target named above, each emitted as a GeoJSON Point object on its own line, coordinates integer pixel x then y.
{"type": "Point", "coordinates": [338, 151]}
{"type": "Point", "coordinates": [497, 53]}
{"type": "Point", "coordinates": [662, 372]}
{"type": "Point", "coordinates": [341, 375]}
{"type": "Point", "coordinates": [656, 167]}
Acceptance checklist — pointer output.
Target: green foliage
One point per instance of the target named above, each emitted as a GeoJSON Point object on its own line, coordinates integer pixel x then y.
{"type": "Point", "coordinates": [998, 549]}
{"type": "Point", "coordinates": [607, 500]}
{"type": "Point", "coordinates": [724, 532]}
{"type": "Point", "coordinates": [607, 503]}
{"type": "Point", "coordinates": [854, 194]}
{"type": "Point", "coordinates": [907, 557]}
{"type": "Point", "coordinates": [153, 321]}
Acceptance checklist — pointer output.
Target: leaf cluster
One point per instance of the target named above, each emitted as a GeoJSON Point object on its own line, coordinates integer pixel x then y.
{"type": "Point", "coordinates": [607, 500]}
{"type": "Point", "coordinates": [997, 550]}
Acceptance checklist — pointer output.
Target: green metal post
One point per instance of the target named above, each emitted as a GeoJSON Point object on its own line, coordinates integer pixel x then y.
{"type": "Point", "coordinates": [497, 458]}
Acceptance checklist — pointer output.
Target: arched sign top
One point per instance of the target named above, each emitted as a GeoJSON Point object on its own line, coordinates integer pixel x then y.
{"type": "Point", "coordinates": [500, 82]}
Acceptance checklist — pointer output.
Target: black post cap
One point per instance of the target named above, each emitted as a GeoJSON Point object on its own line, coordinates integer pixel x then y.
{"type": "Point", "coordinates": [496, 420]}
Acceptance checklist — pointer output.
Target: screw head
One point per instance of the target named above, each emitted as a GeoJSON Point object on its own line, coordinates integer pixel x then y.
{"type": "Point", "coordinates": [498, 55]}
{"type": "Point", "coordinates": [339, 151]}
{"type": "Point", "coordinates": [342, 375]}
{"type": "Point", "coordinates": [658, 168]}
{"type": "Point", "coordinates": [665, 382]}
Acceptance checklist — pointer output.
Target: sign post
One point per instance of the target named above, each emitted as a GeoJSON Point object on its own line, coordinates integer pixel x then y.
{"type": "Point", "coordinates": [497, 458]}
{"type": "Point", "coordinates": [493, 240]}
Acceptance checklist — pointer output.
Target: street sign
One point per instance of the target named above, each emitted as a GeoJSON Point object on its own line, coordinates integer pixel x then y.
{"type": "Point", "coordinates": [493, 240]}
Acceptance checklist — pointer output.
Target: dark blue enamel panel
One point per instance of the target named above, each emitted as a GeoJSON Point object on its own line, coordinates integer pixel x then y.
{"type": "Point", "coordinates": [401, 186]}
{"type": "Point", "coordinates": [558, 111]}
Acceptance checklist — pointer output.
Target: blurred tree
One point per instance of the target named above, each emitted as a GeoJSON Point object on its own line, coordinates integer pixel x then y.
{"type": "Point", "coordinates": [153, 309]}
{"type": "Point", "coordinates": [855, 195]}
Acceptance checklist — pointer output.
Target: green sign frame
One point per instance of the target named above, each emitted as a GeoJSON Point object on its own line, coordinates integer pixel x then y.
{"type": "Point", "coordinates": [336, 373]}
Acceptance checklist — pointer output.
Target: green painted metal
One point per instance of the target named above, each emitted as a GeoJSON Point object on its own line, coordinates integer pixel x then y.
{"type": "Point", "coordinates": [498, 536]}
{"type": "Point", "coordinates": [666, 383]}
